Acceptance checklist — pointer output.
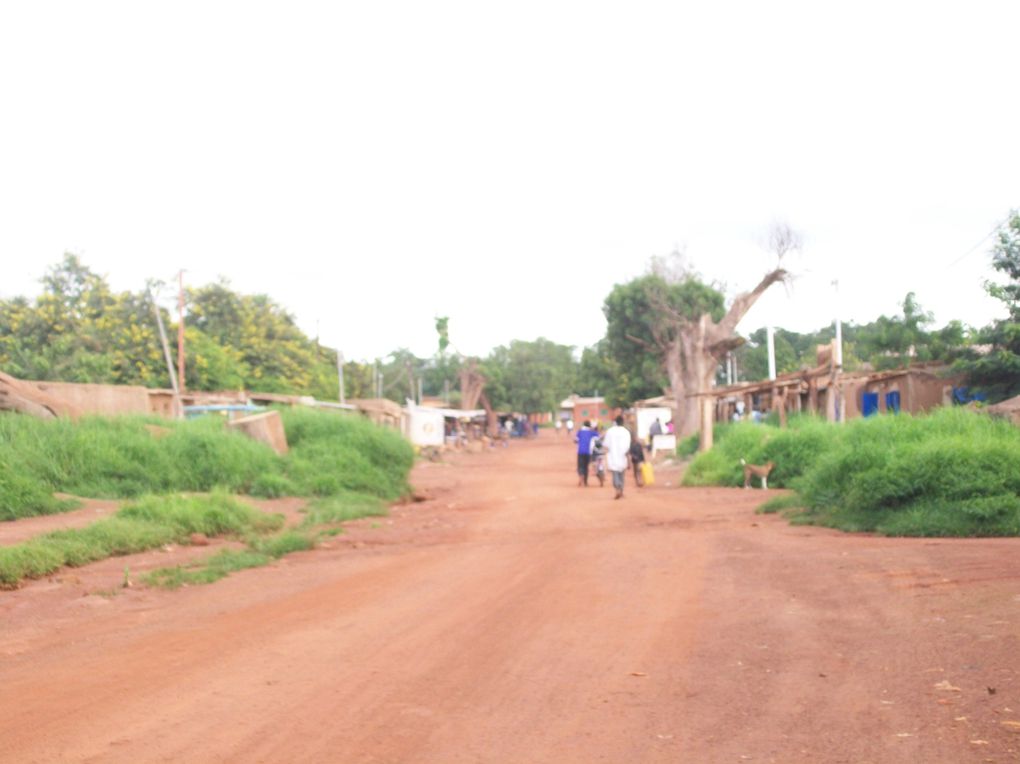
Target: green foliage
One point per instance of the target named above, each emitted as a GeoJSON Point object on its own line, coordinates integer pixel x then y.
{"type": "Point", "coordinates": [530, 376]}
{"type": "Point", "coordinates": [997, 372]}
{"type": "Point", "coordinates": [150, 523]}
{"type": "Point", "coordinates": [885, 343]}
{"type": "Point", "coordinates": [688, 446]}
{"type": "Point", "coordinates": [261, 551]}
{"type": "Point", "coordinates": [951, 473]}
{"type": "Point", "coordinates": [79, 330]}
{"type": "Point", "coordinates": [636, 328]}
{"type": "Point", "coordinates": [119, 458]}
{"type": "Point", "coordinates": [782, 503]}
{"type": "Point", "coordinates": [341, 508]}
{"type": "Point", "coordinates": [721, 464]}
{"type": "Point", "coordinates": [332, 454]}
{"type": "Point", "coordinates": [213, 515]}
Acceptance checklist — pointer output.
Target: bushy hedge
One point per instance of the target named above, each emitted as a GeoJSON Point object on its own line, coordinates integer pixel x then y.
{"type": "Point", "coordinates": [951, 473]}
{"type": "Point", "coordinates": [120, 458]}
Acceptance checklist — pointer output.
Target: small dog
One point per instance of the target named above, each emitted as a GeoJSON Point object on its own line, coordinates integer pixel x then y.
{"type": "Point", "coordinates": [759, 470]}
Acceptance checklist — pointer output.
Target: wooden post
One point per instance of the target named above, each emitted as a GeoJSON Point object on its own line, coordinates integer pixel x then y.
{"type": "Point", "coordinates": [180, 334]}
{"type": "Point", "coordinates": [707, 409]}
{"type": "Point", "coordinates": [340, 374]}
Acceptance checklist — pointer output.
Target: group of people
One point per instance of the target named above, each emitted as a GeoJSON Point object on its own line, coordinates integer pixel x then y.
{"type": "Point", "coordinates": [616, 446]}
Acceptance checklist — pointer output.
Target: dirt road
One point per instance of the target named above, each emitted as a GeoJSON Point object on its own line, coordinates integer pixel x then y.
{"type": "Point", "coordinates": [518, 618]}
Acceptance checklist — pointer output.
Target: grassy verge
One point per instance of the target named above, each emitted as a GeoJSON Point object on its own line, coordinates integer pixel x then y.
{"type": "Point", "coordinates": [321, 514]}
{"type": "Point", "coordinates": [223, 563]}
{"type": "Point", "coordinates": [951, 473]}
{"type": "Point", "coordinates": [144, 525]}
{"type": "Point", "coordinates": [120, 458]}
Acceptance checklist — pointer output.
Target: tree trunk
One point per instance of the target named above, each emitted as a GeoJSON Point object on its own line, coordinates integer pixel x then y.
{"type": "Point", "coordinates": [702, 345]}
{"type": "Point", "coordinates": [471, 385]}
{"type": "Point", "coordinates": [491, 421]}
{"type": "Point", "coordinates": [26, 398]}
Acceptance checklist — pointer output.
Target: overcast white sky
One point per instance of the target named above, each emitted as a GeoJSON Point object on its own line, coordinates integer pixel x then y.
{"type": "Point", "coordinates": [371, 165]}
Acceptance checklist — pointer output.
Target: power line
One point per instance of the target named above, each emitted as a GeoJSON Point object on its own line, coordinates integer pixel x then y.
{"type": "Point", "coordinates": [981, 241]}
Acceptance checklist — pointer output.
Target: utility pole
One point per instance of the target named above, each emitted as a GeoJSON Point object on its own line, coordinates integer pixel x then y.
{"type": "Point", "coordinates": [166, 345]}
{"type": "Point", "coordinates": [837, 361]}
{"type": "Point", "coordinates": [340, 374]}
{"type": "Point", "coordinates": [770, 334]}
{"type": "Point", "coordinates": [180, 331]}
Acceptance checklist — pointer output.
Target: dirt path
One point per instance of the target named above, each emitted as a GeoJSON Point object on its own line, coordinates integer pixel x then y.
{"type": "Point", "coordinates": [518, 618]}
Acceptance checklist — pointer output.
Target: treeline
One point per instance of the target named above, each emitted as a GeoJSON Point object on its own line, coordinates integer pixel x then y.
{"type": "Point", "coordinates": [79, 330]}
{"type": "Point", "coordinates": [889, 342]}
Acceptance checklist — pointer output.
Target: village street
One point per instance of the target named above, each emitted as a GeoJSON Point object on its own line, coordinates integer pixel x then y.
{"type": "Point", "coordinates": [515, 617]}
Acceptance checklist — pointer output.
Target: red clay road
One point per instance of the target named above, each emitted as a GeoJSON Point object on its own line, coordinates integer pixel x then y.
{"type": "Point", "coordinates": [515, 617]}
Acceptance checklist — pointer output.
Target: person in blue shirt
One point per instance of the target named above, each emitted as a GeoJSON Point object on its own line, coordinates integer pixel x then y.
{"type": "Point", "coordinates": [583, 440]}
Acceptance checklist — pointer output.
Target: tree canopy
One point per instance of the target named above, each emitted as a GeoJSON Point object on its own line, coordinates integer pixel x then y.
{"type": "Point", "coordinates": [997, 371]}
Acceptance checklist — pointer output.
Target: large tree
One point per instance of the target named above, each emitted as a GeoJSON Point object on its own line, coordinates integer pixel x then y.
{"type": "Point", "coordinates": [998, 371]}
{"type": "Point", "coordinates": [530, 377]}
{"type": "Point", "coordinates": [685, 324]}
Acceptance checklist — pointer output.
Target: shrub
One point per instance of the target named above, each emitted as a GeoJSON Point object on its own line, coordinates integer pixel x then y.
{"type": "Point", "coordinates": [119, 458]}
{"type": "Point", "coordinates": [951, 473]}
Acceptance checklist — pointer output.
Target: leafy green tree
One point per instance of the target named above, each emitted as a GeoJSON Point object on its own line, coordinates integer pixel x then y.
{"type": "Point", "coordinates": [682, 322]}
{"type": "Point", "coordinates": [530, 377]}
{"type": "Point", "coordinates": [272, 354]}
{"type": "Point", "coordinates": [754, 360]}
{"type": "Point", "coordinates": [599, 373]}
{"type": "Point", "coordinates": [78, 330]}
{"type": "Point", "coordinates": [997, 372]}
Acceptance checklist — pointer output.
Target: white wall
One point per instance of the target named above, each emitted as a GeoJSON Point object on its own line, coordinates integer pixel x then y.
{"type": "Point", "coordinates": [425, 427]}
{"type": "Point", "coordinates": [645, 417]}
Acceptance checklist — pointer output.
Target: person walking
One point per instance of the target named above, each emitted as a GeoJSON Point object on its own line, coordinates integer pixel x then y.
{"type": "Point", "coordinates": [584, 439]}
{"type": "Point", "coordinates": [637, 458]}
{"type": "Point", "coordinates": [616, 442]}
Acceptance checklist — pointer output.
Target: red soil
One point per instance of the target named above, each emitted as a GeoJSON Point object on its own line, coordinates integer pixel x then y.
{"type": "Point", "coordinates": [515, 617]}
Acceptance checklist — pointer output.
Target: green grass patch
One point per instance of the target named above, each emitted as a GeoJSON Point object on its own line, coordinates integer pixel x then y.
{"type": "Point", "coordinates": [784, 503]}
{"type": "Point", "coordinates": [953, 472]}
{"type": "Point", "coordinates": [260, 552]}
{"type": "Point", "coordinates": [343, 507]}
{"type": "Point", "coordinates": [113, 458]}
{"type": "Point", "coordinates": [147, 524]}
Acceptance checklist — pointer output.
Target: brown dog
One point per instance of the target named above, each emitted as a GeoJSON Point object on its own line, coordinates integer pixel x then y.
{"type": "Point", "coordinates": [757, 470]}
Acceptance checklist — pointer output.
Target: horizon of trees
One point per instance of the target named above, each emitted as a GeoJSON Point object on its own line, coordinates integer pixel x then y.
{"type": "Point", "coordinates": [79, 330]}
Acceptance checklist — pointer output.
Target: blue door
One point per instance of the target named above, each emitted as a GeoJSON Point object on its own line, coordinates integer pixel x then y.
{"type": "Point", "coordinates": [869, 404]}
{"type": "Point", "coordinates": [892, 402]}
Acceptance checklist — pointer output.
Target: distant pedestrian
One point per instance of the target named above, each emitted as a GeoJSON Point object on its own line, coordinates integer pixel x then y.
{"type": "Point", "coordinates": [616, 442]}
{"type": "Point", "coordinates": [655, 429]}
{"type": "Point", "coordinates": [637, 458]}
{"type": "Point", "coordinates": [584, 439]}
{"type": "Point", "coordinates": [570, 427]}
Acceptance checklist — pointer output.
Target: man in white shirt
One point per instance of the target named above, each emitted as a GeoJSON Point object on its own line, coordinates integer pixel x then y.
{"type": "Point", "coordinates": [616, 443]}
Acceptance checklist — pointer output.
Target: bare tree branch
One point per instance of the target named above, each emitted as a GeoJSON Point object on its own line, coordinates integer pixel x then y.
{"type": "Point", "coordinates": [640, 341]}
{"type": "Point", "coordinates": [783, 239]}
{"type": "Point", "coordinates": [743, 303]}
